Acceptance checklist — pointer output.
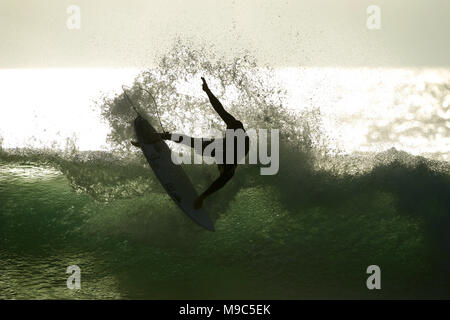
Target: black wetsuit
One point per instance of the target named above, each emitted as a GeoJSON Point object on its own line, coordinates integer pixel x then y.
{"type": "Point", "coordinates": [226, 169]}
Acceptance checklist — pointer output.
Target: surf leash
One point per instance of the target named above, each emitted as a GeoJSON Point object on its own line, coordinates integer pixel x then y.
{"type": "Point", "coordinates": [130, 101]}
{"type": "Point", "coordinates": [156, 107]}
{"type": "Point", "coordinates": [135, 109]}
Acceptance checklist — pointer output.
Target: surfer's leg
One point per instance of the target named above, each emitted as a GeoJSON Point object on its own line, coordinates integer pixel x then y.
{"type": "Point", "coordinates": [218, 184]}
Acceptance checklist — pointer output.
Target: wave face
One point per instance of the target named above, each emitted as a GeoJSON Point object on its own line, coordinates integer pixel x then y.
{"type": "Point", "coordinates": [310, 231]}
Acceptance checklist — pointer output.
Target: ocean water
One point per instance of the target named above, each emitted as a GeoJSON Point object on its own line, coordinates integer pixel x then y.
{"type": "Point", "coordinates": [309, 235]}
{"type": "Point", "coordinates": [309, 231]}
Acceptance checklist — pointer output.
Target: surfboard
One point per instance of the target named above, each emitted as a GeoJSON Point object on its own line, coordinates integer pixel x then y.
{"type": "Point", "coordinates": [172, 176]}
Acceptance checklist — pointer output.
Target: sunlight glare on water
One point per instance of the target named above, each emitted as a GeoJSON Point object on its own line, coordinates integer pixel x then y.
{"type": "Point", "coordinates": [362, 109]}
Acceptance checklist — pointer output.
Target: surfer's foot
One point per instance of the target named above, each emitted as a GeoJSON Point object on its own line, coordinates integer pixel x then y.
{"type": "Point", "coordinates": [198, 202]}
{"type": "Point", "coordinates": [135, 143]}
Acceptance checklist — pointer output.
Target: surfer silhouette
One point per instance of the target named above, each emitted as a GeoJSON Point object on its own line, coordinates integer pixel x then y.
{"type": "Point", "coordinates": [226, 169]}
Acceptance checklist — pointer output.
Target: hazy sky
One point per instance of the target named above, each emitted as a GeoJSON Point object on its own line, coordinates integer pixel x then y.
{"type": "Point", "coordinates": [130, 33]}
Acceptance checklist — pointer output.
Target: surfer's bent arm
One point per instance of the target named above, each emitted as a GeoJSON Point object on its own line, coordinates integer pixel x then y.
{"type": "Point", "coordinates": [228, 118]}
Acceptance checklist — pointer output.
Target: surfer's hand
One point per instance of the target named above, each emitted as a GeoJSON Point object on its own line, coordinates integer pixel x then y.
{"type": "Point", "coordinates": [135, 143]}
{"type": "Point", "coordinates": [204, 85]}
{"type": "Point", "coordinates": [198, 202]}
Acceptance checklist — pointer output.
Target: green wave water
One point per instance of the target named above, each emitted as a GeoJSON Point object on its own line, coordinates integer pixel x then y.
{"type": "Point", "coordinates": [310, 235]}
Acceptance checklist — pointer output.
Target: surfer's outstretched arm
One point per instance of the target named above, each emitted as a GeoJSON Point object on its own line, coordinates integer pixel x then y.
{"type": "Point", "coordinates": [179, 138]}
{"type": "Point", "coordinates": [228, 118]}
